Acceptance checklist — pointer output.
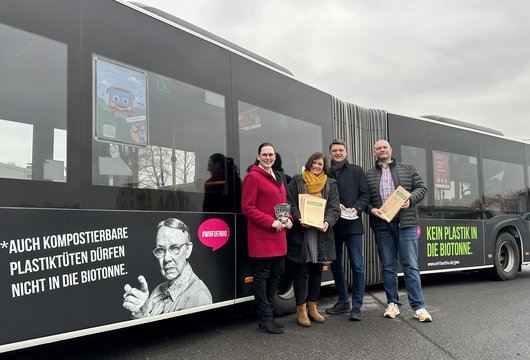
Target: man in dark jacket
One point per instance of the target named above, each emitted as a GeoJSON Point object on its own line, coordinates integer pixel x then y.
{"type": "Point", "coordinates": [400, 235]}
{"type": "Point", "coordinates": [353, 195]}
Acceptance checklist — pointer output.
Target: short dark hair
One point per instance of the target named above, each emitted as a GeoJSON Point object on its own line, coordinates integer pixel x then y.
{"type": "Point", "coordinates": [337, 142]}
{"type": "Point", "coordinates": [316, 156]}
{"type": "Point", "coordinates": [176, 224]}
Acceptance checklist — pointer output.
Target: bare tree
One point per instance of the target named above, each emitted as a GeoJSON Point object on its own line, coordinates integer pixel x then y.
{"type": "Point", "coordinates": [152, 166]}
{"type": "Point", "coordinates": [185, 166]}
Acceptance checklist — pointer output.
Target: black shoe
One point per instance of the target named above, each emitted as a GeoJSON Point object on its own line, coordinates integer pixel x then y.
{"type": "Point", "coordinates": [338, 308]}
{"type": "Point", "coordinates": [355, 314]}
{"type": "Point", "coordinates": [269, 327]}
{"type": "Point", "coordinates": [278, 325]}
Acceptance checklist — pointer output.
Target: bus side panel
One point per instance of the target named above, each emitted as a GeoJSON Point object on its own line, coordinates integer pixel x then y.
{"type": "Point", "coordinates": [65, 270]}
{"type": "Point", "coordinates": [450, 244]}
{"type": "Point", "coordinates": [244, 269]}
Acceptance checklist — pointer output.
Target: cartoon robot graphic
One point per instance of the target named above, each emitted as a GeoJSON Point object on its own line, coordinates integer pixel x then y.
{"type": "Point", "coordinates": [121, 106]}
{"type": "Point", "coordinates": [120, 101]}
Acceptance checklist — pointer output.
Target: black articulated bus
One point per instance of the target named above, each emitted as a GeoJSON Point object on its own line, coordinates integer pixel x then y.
{"type": "Point", "coordinates": [477, 210]}
{"type": "Point", "coordinates": [122, 124]}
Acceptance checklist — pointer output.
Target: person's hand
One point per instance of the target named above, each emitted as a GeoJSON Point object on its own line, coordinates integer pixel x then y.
{"type": "Point", "coordinates": [288, 224]}
{"type": "Point", "coordinates": [377, 213]}
{"type": "Point", "coordinates": [277, 225]}
{"type": "Point", "coordinates": [325, 227]}
{"type": "Point", "coordinates": [406, 204]}
{"type": "Point", "coordinates": [134, 299]}
{"type": "Point", "coordinates": [342, 207]}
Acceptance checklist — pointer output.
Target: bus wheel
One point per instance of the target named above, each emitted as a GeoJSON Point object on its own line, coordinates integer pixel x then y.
{"type": "Point", "coordinates": [284, 303]}
{"type": "Point", "coordinates": [506, 257]}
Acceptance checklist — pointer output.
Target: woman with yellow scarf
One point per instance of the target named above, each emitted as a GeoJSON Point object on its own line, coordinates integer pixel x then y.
{"type": "Point", "coordinates": [308, 247]}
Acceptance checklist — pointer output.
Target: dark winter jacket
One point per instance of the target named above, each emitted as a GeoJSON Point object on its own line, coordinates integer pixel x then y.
{"type": "Point", "coordinates": [296, 242]}
{"type": "Point", "coordinates": [261, 192]}
{"type": "Point", "coordinates": [353, 193]}
{"type": "Point", "coordinates": [404, 175]}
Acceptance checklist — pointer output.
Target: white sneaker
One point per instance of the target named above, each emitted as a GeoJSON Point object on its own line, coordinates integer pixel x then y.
{"type": "Point", "coordinates": [423, 315]}
{"type": "Point", "coordinates": [391, 311]}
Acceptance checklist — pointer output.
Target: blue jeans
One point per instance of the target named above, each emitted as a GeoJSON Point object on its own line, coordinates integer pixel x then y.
{"type": "Point", "coordinates": [403, 241]}
{"type": "Point", "coordinates": [354, 245]}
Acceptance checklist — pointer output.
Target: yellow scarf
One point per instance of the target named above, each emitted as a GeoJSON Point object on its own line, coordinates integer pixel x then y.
{"type": "Point", "coordinates": [314, 184]}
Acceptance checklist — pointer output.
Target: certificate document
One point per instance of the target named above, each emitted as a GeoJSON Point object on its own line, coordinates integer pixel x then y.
{"type": "Point", "coordinates": [312, 210]}
{"type": "Point", "coordinates": [393, 204]}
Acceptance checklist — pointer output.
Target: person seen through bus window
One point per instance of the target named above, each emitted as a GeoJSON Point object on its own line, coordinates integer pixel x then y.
{"type": "Point", "coordinates": [308, 247]}
{"type": "Point", "coordinates": [354, 197]}
{"type": "Point", "coordinates": [399, 237]}
{"type": "Point", "coordinates": [277, 166]}
{"type": "Point", "coordinates": [216, 184]}
{"type": "Point", "coordinates": [267, 245]}
{"type": "Point", "coordinates": [182, 288]}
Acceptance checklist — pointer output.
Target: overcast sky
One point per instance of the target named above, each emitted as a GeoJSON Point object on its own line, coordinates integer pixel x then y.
{"type": "Point", "coordinates": [463, 59]}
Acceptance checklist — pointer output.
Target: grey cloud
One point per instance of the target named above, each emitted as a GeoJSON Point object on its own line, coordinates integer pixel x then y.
{"type": "Point", "coordinates": [463, 59]}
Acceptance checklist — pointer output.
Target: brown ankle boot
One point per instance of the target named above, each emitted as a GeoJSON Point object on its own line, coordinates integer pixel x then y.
{"type": "Point", "coordinates": [301, 316]}
{"type": "Point", "coordinates": [313, 313]}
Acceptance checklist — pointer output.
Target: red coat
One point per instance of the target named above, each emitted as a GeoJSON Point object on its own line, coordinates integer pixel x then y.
{"type": "Point", "coordinates": [260, 194]}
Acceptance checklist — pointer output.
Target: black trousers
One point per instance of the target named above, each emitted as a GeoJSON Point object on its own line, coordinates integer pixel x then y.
{"type": "Point", "coordinates": [267, 273]}
{"type": "Point", "coordinates": [306, 282]}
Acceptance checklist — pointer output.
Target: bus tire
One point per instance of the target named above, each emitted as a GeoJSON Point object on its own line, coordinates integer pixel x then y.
{"type": "Point", "coordinates": [285, 303]}
{"type": "Point", "coordinates": [506, 257]}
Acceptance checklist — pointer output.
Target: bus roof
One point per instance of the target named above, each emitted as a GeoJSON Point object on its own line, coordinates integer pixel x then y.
{"type": "Point", "coordinates": [463, 124]}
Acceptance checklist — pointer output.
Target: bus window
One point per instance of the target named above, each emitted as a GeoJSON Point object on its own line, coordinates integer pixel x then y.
{"type": "Point", "coordinates": [526, 216]}
{"type": "Point", "coordinates": [147, 126]}
{"type": "Point", "coordinates": [294, 139]}
{"type": "Point", "coordinates": [416, 157]}
{"type": "Point", "coordinates": [32, 106]}
{"type": "Point", "coordinates": [455, 178]}
{"type": "Point", "coordinates": [504, 190]}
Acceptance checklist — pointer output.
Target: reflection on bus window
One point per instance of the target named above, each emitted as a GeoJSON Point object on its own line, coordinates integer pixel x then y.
{"type": "Point", "coordinates": [504, 190]}
{"type": "Point", "coordinates": [416, 157]}
{"type": "Point", "coordinates": [455, 180]}
{"type": "Point", "coordinates": [16, 149]}
{"type": "Point", "coordinates": [167, 155]}
{"type": "Point", "coordinates": [32, 106]}
{"type": "Point", "coordinates": [293, 138]}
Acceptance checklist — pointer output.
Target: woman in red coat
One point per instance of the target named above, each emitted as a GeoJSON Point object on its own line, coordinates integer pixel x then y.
{"type": "Point", "coordinates": [262, 190]}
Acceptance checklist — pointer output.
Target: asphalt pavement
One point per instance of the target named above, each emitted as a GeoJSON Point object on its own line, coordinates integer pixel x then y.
{"type": "Point", "coordinates": [472, 319]}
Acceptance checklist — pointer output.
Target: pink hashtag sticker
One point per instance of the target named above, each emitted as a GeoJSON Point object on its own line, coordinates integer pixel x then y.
{"type": "Point", "coordinates": [214, 233]}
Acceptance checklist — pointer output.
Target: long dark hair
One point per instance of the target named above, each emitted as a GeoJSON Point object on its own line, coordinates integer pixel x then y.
{"type": "Point", "coordinates": [261, 146]}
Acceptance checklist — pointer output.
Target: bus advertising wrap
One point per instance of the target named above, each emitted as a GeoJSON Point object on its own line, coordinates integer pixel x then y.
{"type": "Point", "coordinates": [94, 268]}
{"type": "Point", "coordinates": [450, 244]}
